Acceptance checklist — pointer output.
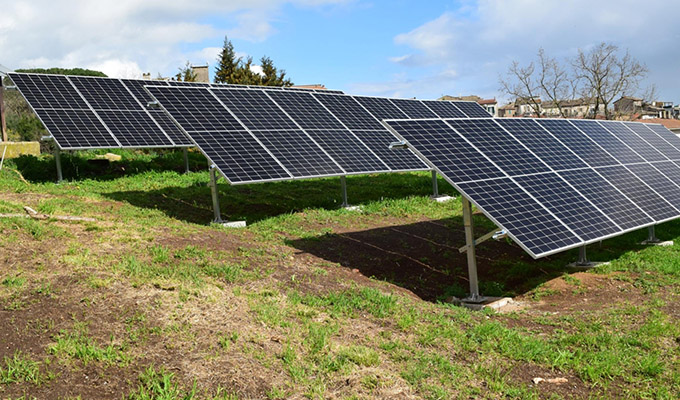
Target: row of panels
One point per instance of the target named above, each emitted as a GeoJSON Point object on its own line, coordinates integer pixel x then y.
{"type": "Point", "coordinates": [556, 184]}
{"type": "Point", "coordinates": [262, 135]}
{"type": "Point", "coordinates": [84, 112]}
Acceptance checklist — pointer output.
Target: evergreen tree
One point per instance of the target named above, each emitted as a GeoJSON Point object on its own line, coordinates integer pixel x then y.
{"type": "Point", "coordinates": [272, 77]}
{"type": "Point", "coordinates": [227, 63]}
{"type": "Point", "coordinates": [186, 73]}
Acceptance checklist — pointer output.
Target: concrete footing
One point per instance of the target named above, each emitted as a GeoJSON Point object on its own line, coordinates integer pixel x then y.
{"type": "Point", "coordinates": [577, 266]}
{"type": "Point", "coordinates": [665, 243]}
{"type": "Point", "coordinates": [441, 199]}
{"type": "Point", "coordinates": [493, 303]}
{"type": "Point", "coordinates": [232, 224]}
{"type": "Point", "coordinates": [352, 208]}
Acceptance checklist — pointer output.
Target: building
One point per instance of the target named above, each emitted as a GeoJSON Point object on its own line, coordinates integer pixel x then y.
{"type": "Point", "coordinates": [490, 105]}
{"type": "Point", "coordinates": [636, 107]}
{"type": "Point", "coordinates": [202, 73]}
{"type": "Point", "coordinates": [507, 111]}
{"type": "Point", "coordinates": [577, 108]}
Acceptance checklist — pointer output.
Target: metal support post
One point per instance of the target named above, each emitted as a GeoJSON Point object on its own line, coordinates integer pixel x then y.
{"type": "Point", "coordinates": [185, 153]}
{"type": "Point", "coordinates": [582, 257]}
{"type": "Point", "coordinates": [474, 296]}
{"type": "Point", "coordinates": [435, 187]}
{"type": "Point", "coordinates": [57, 160]}
{"type": "Point", "coordinates": [215, 198]}
{"type": "Point", "coordinates": [651, 235]}
{"type": "Point", "coordinates": [343, 183]}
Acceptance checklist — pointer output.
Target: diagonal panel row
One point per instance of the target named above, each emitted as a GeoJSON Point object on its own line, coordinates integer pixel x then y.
{"type": "Point", "coordinates": [590, 180]}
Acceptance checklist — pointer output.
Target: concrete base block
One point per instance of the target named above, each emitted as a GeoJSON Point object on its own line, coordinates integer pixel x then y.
{"type": "Point", "coordinates": [352, 208]}
{"type": "Point", "coordinates": [17, 149]}
{"type": "Point", "coordinates": [575, 266]}
{"type": "Point", "coordinates": [494, 303]}
{"type": "Point", "coordinates": [441, 199]}
{"type": "Point", "coordinates": [658, 243]}
{"type": "Point", "coordinates": [232, 224]}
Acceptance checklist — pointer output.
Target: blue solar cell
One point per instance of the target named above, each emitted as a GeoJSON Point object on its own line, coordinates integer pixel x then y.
{"type": "Point", "coordinates": [577, 142]}
{"type": "Point", "coordinates": [617, 148]}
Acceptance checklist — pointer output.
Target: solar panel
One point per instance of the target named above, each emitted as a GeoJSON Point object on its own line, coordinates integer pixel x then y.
{"type": "Point", "coordinates": [577, 142]}
{"type": "Point", "coordinates": [614, 146]}
{"type": "Point", "coordinates": [305, 110]}
{"type": "Point", "coordinates": [641, 194]}
{"type": "Point", "coordinates": [437, 142]}
{"type": "Point", "coordinates": [611, 201]}
{"type": "Point", "coordinates": [472, 109]}
{"type": "Point", "coordinates": [526, 221]}
{"type": "Point", "coordinates": [381, 107]}
{"type": "Point", "coordinates": [540, 142]}
{"type": "Point", "coordinates": [575, 211]}
{"type": "Point", "coordinates": [635, 142]}
{"type": "Point", "coordinates": [509, 154]}
{"type": "Point", "coordinates": [348, 151]}
{"type": "Point", "coordinates": [254, 109]}
{"type": "Point", "coordinates": [667, 135]}
{"type": "Point", "coordinates": [444, 108]}
{"type": "Point", "coordinates": [114, 109]}
{"type": "Point", "coordinates": [661, 141]}
{"type": "Point", "coordinates": [413, 108]}
{"type": "Point", "coordinates": [77, 129]}
{"type": "Point", "coordinates": [349, 112]}
{"type": "Point", "coordinates": [503, 165]}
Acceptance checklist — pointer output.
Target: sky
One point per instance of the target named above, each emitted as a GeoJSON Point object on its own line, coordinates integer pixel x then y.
{"type": "Point", "coordinates": [400, 48]}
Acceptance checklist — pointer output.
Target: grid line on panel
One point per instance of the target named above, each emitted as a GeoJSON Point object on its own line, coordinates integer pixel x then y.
{"type": "Point", "coordinates": [501, 148]}
{"type": "Point", "coordinates": [472, 109]}
{"type": "Point", "coordinates": [254, 109]}
{"type": "Point", "coordinates": [48, 91]}
{"type": "Point", "coordinates": [659, 142]}
{"type": "Point", "coordinates": [444, 108]}
{"type": "Point", "coordinates": [77, 129]}
{"type": "Point", "coordinates": [413, 108]}
{"type": "Point", "coordinates": [349, 112]}
{"type": "Point", "coordinates": [104, 94]}
{"type": "Point", "coordinates": [134, 129]}
{"type": "Point", "coordinates": [239, 156]}
{"type": "Point", "coordinates": [136, 86]}
{"type": "Point", "coordinates": [577, 142]}
{"type": "Point", "coordinates": [556, 155]}
{"type": "Point", "coordinates": [641, 147]}
{"type": "Point", "coordinates": [613, 145]}
{"type": "Point", "coordinates": [641, 194]}
{"type": "Point", "coordinates": [667, 135]}
{"type": "Point", "coordinates": [195, 109]}
{"type": "Point", "coordinates": [352, 155]}
{"type": "Point", "coordinates": [446, 150]}
{"type": "Point", "coordinates": [305, 110]}
{"type": "Point", "coordinates": [297, 153]}
{"type": "Point", "coordinates": [524, 218]}
{"type": "Point", "coordinates": [607, 198]}
{"type": "Point", "coordinates": [380, 107]}
{"type": "Point", "coordinates": [569, 206]}
{"type": "Point", "coordinates": [669, 169]}
{"type": "Point", "coordinates": [658, 182]}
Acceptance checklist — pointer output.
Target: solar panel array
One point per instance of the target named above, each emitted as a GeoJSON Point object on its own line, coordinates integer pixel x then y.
{"type": "Point", "coordinates": [292, 134]}
{"type": "Point", "coordinates": [555, 184]}
{"type": "Point", "coordinates": [95, 112]}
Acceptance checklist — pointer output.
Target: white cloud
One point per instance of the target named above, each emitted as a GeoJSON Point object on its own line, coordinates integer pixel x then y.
{"type": "Point", "coordinates": [480, 39]}
{"type": "Point", "coordinates": [130, 36]}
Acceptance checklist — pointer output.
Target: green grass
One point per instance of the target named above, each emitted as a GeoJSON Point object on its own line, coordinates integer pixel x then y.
{"type": "Point", "coordinates": [153, 278]}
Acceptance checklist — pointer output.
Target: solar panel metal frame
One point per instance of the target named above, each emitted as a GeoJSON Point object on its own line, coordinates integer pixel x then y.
{"type": "Point", "coordinates": [589, 168]}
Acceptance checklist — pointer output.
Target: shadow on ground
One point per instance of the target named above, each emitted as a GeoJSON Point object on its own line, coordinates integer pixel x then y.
{"type": "Point", "coordinates": [256, 202]}
{"type": "Point", "coordinates": [423, 257]}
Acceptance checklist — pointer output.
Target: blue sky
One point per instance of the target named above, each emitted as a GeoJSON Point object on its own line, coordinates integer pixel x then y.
{"type": "Point", "coordinates": [398, 48]}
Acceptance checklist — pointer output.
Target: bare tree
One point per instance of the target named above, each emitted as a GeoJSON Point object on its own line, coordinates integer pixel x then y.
{"type": "Point", "coordinates": [521, 84]}
{"type": "Point", "coordinates": [606, 76]}
{"type": "Point", "coordinates": [555, 83]}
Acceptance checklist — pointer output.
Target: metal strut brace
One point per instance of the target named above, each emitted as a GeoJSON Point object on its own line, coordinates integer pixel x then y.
{"type": "Point", "coordinates": [651, 235]}
{"type": "Point", "coordinates": [215, 198]}
{"type": "Point", "coordinates": [474, 296]}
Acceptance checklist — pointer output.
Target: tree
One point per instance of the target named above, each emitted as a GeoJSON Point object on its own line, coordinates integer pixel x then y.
{"type": "Point", "coordinates": [64, 71]}
{"type": "Point", "coordinates": [521, 84]}
{"type": "Point", "coordinates": [606, 76]}
{"type": "Point", "coordinates": [555, 83]}
{"type": "Point", "coordinates": [227, 63]}
{"type": "Point", "coordinates": [272, 77]}
{"type": "Point", "coordinates": [237, 70]}
{"type": "Point", "coordinates": [186, 73]}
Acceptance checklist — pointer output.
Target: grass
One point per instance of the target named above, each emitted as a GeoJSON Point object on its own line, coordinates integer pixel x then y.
{"type": "Point", "coordinates": [309, 300]}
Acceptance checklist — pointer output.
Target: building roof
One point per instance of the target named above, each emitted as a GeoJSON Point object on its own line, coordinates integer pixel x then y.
{"type": "Point", "coordinates": [673, 124]}
{"type": "Point", "coordinates": [487, 101]}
